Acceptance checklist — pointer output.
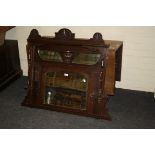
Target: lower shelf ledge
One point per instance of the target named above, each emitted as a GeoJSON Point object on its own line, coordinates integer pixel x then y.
{"type": "Point", "coordinates": [104, 115]}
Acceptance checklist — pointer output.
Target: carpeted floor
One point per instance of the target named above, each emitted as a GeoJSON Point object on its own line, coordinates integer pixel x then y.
{"type": "Point", "coordinates": [129, 110]}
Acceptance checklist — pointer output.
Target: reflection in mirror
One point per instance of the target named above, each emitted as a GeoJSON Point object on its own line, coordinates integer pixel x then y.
{"type": "Point", "coordinates": [86, 58]}
{"type": "Point", "coordinates": [66, 89]}
{"type": "Point", "coordinates": [50, 55]}
{"type": "Point", "coordinates": [81, 58]}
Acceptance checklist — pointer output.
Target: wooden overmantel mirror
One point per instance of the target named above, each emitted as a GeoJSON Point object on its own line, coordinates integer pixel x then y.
{"type": "Point", "coordinates": [72, 75]}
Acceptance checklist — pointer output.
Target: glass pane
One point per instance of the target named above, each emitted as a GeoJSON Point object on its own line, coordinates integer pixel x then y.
{"type": "Point", "coordinates": [50, 55]}
{"type": "Point", "coordinates": [66, 89]}
{"type": "Point", "coordinates": [86, 58]}
{"type": "Point", "coordinates": [81, 58]}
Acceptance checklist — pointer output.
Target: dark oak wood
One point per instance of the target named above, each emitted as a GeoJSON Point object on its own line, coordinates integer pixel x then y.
{"type": "Point", "coordinates": [114, 64]}
{"type": "Point", "coordinates": [3, 30]}
{"type": "Point", "coordinates": [9, 62]}
{"type": "Point", "coordinates": [101, 75]}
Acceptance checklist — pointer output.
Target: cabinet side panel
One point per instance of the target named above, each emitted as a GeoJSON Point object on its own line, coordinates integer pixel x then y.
{"type": "Point", "coordinates": [118, 63]}
{"type": "Point", "coordinates": [110, 73]}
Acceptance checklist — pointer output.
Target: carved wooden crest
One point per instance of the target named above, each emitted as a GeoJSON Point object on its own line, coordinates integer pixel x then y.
{"type": "Point", "coordinates": [67, 56]}
{"type": "Point", "coordinates": [64, 34]}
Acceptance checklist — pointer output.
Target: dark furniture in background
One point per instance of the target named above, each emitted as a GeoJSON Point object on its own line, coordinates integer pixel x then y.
{"type": "Point", "coordinates": [3, 30]}
{"type": "Point", "coordinates": [72, 75]}
{"type": "Point", "coordinates": [10, 67]}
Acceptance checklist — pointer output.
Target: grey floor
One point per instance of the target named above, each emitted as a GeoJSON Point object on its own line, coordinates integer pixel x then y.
{"type": "Point", "coordinates": [129, 110]}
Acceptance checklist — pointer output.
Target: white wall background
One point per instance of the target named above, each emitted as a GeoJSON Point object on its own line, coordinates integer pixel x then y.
{"type": "Point", "coordinates": [138, 68]}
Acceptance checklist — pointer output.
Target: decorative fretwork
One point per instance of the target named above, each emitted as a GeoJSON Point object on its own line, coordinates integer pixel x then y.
{"type": "Point", "coordinates": [67, 56]}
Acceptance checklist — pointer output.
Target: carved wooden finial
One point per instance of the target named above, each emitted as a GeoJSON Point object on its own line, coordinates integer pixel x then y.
{"type": "Point", "coordinates": [97, 36]}
{"type": "Point", "coordinates": [34, 34]}
{"type": "Point", "coordinates": [64, 34]}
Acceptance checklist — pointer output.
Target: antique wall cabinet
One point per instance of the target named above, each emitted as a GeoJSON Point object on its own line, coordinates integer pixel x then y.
{"type": "Point", "coordinates": [72, 75]}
